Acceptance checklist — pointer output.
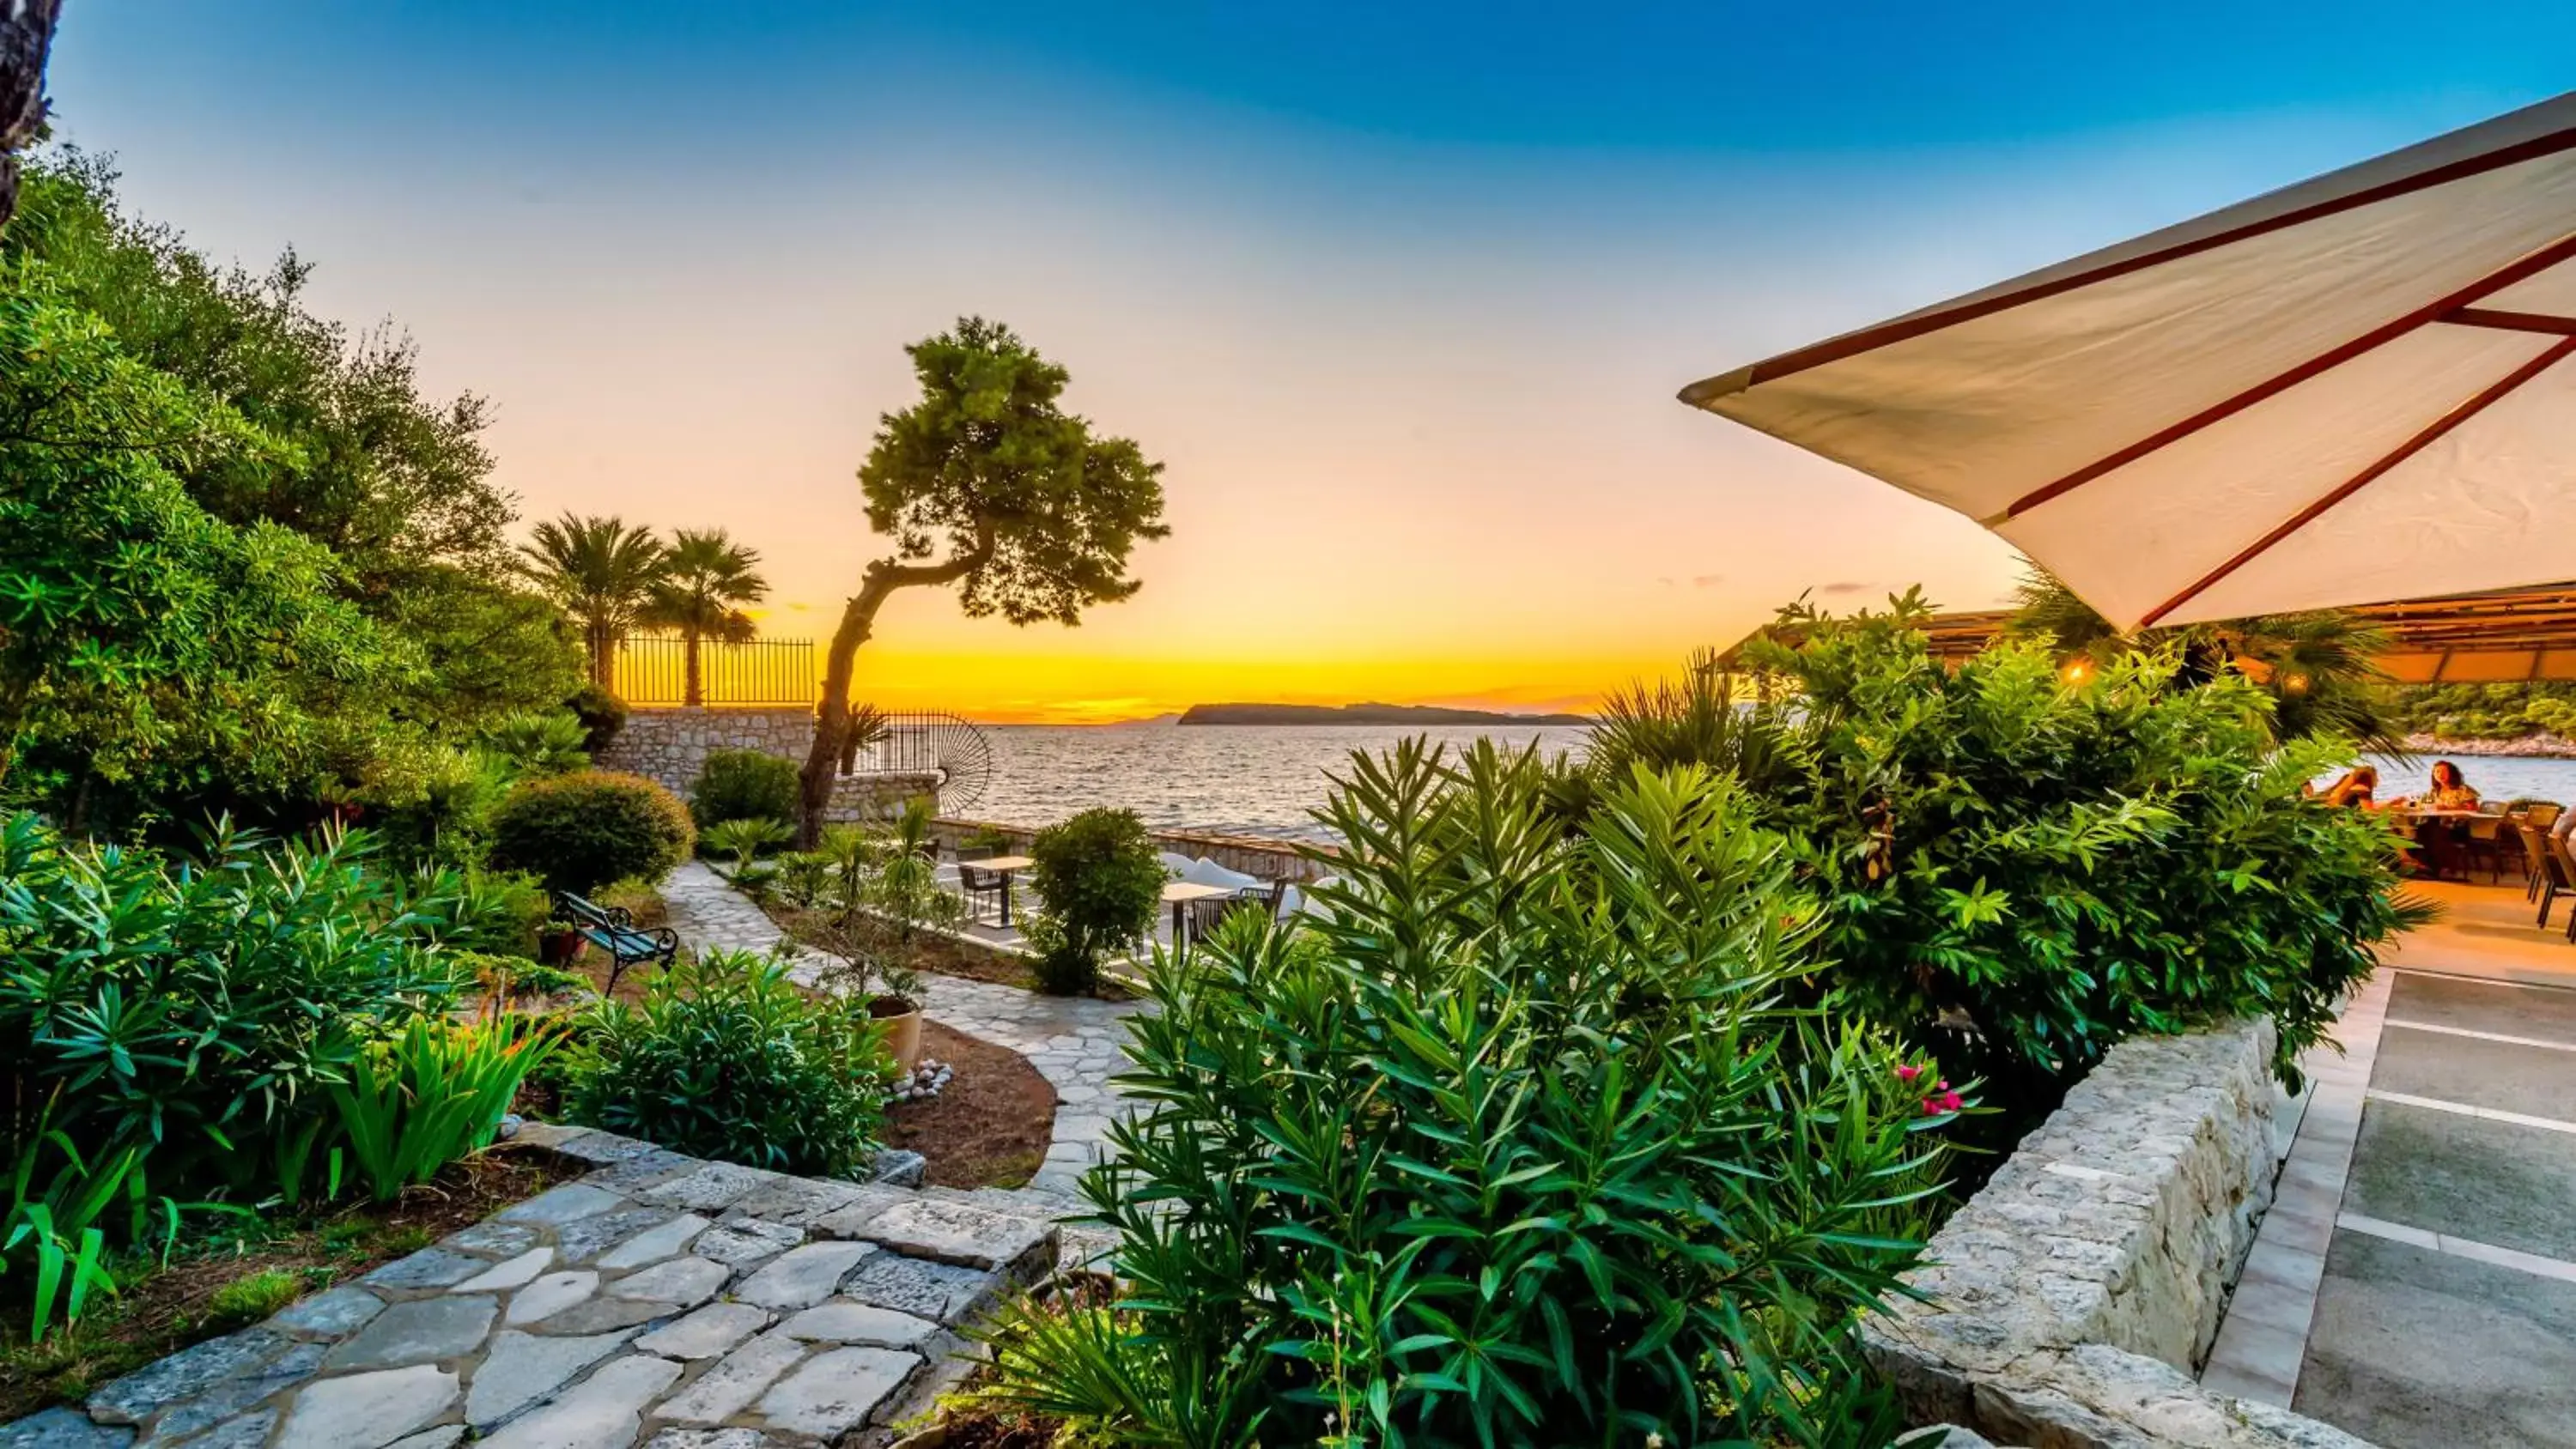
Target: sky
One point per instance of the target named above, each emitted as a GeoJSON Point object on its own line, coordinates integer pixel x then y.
{"type": "Point", "coordinates": [1400, 295]}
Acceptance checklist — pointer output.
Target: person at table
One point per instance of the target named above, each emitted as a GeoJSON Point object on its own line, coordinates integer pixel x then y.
{"type": "Point", "coordinates": [2354, 788]}
{"type": "Point", "coordinates": [2448, 790]}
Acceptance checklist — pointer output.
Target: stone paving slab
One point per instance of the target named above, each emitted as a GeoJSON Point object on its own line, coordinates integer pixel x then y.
{"type": "Point", "coordinates": [793, 1345]}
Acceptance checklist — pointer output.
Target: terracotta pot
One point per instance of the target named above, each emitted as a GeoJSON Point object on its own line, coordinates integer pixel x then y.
{"type": "Point", "coordinates": [903, 1029]}
{"type": "Point", "coordinates": [560, 947]}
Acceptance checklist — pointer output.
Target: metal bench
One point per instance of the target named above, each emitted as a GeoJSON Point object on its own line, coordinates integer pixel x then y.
{"type": "Point", "coordinates": [612, 930]}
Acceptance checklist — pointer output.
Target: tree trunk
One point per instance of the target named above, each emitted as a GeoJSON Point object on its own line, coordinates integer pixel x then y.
{"type": "Point", "coordinates": [603, 657]}
{"type": "Point", "coordinates": [832, 716]}
{"type": "Point", "coordinates": [690, 693]}
{"type": "Point", "coordinates": [26, 36]}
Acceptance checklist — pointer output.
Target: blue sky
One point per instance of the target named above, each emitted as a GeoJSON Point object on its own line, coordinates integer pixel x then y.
{"type": "Point", "coordinates": [1401, 294]}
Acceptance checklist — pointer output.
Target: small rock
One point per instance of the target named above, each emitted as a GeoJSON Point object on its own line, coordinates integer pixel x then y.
{"type": "Point", "coordinates": [510, 1125]}
{"type": "Point", "coordinates": [836, 1392]}
{"type": "Point", "coordinates": [681, 1282]}
{"type": "Point", "coordinates": [602, 1314]}
{"type": "Point", "coordinates": [515, 1273]}
{"type": "Point", "coordinates": [804, 1276]}
{"type": "Point", "coordinates": [897, 1168]}
{"type": "Point", "coordinates": [250, 1431]}
{"type": "Point", "coordinates": [335, 1314]}
{"type": "Point", "coordinates": [654, 1244]}
{"type": "Point", "coordinates": [495, 1238]}
{"type": "Point", "coordinates": [961, 1233]}
{"type": "Point", "coordinates": [746, 1242]}
{"type": "Point", "coordinates": [521, 1369]}
{"type": "Point", "coordinates": [604, 1411]}
{"type": "Point", "coordinates": [941, 1292]}
{"type": "Point", "coordinates": [584, 1240]}
{"type": "Point", "coordinates": [552, 1294]}
{"type": "Point", "coordinates": [842, 1321]}
{"type": "Point", "coordinates": [186, 1374]}
{"type": "Point", "coordinates": [419, 1332]}
{"type": "Point", "coordinates": [569, 1203]}
{"type": "Point", "coordinates": [740, 1377]}
{"type": "Point", "coordinates": [428, 1268]}
{"type": "Point", "coordinates": [62, 1429]}
{"type": "Point", "coordinates": [712, 1330]}
{"type": "Point", "coordinates": [712, 1188]}
{"type": "Point", "coordinates": [367, 1411]}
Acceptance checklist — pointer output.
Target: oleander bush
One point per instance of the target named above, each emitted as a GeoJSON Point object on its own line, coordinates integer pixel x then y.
{"type": "Point", "coordinates": [1098, 883]}
{"type": "Point", "coordinates": [580, 831]}
{"type": "Point", "coordinates": [743, 785]}
{"type": "Point", "coordinates": [1520, 1145]}
{"type": "Point", "coordinates": [2018, 870]}
{"type": "Point", "coordinates": [726, 1058]}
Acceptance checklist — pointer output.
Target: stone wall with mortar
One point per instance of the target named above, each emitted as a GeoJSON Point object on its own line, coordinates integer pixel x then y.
{"type": "Point", "coordinates": [670, 746]}
{"type": "Point", "coordinates": [1252, 855]}
{"type": "Point", "coordinates": [2070, 1302]}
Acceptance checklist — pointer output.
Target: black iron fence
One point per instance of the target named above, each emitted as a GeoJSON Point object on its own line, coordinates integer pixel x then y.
{"type": "Point", "coordinates": [653, 669]}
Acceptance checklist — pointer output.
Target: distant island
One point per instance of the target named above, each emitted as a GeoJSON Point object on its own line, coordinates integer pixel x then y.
{"type": "Point", "coordinates": [1363, 714]}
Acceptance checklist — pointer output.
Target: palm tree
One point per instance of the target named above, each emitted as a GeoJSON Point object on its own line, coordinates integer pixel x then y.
{"type": "Point", "coordinates": [600, 571]}
{"type": "Point", "coordinates": [2321, 668]}
{"type": "Point", "coordinates": [705, 579]}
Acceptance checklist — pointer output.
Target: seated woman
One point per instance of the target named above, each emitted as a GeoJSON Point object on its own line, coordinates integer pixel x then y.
{"type": "Point", "coordinates": [2449, 790]}
{"type": "Point", "coordinates": [2354, 788]}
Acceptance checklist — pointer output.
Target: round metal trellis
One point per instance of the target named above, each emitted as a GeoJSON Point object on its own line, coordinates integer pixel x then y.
{"type": "Point", "coordinates": [937, 743]}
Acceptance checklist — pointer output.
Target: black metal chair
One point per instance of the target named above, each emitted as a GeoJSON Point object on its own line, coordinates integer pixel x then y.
{"type": "Point", "coordinates": [980, 887]}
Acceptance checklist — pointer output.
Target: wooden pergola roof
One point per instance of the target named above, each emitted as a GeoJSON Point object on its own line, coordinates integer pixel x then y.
{"type": "Point", "coordinates": [2501, 636]}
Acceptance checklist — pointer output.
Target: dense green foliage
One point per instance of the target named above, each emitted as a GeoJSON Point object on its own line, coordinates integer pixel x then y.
{"type": "Point", "coordinates": [2485, 711]}
{"type": "Point", "coordinates": [727, 1059]}
{"type": "Point", "coordinates": [171, 1032]}
{"type": "Point", "coordinates": [2017, 870]}
{"type": "Point", "coordinates": [411, 1105]}
{"type": "Point", "coordinates": [988, 484]}
{"type": "Point", "coordinates": [1516, 1146]}
{"type": "Point", "coordinates": [743, 785]}
{"type": "Point", "coordinates": [2321, 669]}
{"type": "Point", "coordinates": [580, 831]}
{"type": "Point", "coordinates": [1099, 883]}
{"type": "Point", "coordinates": [244, 565]}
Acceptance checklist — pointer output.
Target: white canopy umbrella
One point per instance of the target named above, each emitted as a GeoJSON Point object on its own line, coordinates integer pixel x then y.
{"type": "Point", "coordinates": [2344, 392]}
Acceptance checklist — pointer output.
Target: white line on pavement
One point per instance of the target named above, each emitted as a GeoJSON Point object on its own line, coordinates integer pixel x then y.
{"type": "Point", "coordinates": [2496, 1036]}
{"type": "Point", "coordinates": [2484, 1114]}
{"type": "Point", "coordinates": [2514, 1258]}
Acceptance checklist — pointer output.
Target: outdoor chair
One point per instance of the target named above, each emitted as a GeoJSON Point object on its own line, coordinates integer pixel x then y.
{"type": "Point", "coordinates": [982, 887]}
{"type": "Point", "coordinates": [2534, 818]}
{"type": "Point", "coordinates": [2562, 877]}
{"type": "Point", "coordinates": [2482, 844]}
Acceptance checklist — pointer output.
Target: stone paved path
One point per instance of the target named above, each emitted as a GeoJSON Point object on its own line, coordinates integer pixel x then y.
{"type": "Point", "coordinates": [659, 1300]}
{"type": "Point", "coordinates": [1072, 1041]}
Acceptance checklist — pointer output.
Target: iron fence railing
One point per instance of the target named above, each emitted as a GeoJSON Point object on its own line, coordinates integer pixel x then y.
{"type": "Point", "coordinates": [653, 669]}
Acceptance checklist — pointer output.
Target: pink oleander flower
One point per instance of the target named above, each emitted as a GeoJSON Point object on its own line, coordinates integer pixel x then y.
{"type": "Point", "coordinates": [1907, 1074]}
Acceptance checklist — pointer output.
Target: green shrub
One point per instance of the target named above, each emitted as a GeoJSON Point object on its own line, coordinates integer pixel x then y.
{"type": "Point", "coordinates": [1100, 883]}
{"type": "Point", "coordinates": [744, 837]}
{"type": "Point", "coordinates": [551, 743]}
{"type": "Point", "coordinates": [602, 715]}
{"type": "Point", "coordinates": [195, 1010]}
{"type": "Point", "coordinates": [580, 831]}
{"type": "Point", "coordinates": [744, 785]}
{"type": "Point", "coordinates": [428, 1097]}
{"type": "Point", "coordinates": [490, 912]}
{"type": "Point", "coordinates": [1514, 1148]}
{"type": "Point", "coordinates": [2019, 871]}
{"type": "Point", "coordinates": [726, 1059]}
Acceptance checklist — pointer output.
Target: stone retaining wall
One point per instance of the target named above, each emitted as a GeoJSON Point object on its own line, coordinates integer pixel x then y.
{"type": "Point", "coordinates": [671, 745]}
{"type": "Point", "coordinates": [1252, 855]}
{"type": "Point", "coordinates": [2069, 1303]}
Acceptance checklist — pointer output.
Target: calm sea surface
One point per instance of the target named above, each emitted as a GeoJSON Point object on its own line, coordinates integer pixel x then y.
{"type": "Point", "coordinates": [1262, 780]}
{"type": "Point", "coordinates": [1234, 779]}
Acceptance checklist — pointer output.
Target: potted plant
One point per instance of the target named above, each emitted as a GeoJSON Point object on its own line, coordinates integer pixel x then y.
{"type": "Point", "coordinates": [560, 943]}
{"type": "Point", "coordinates": [898, 1007]}
{"type": "Point", "coordinates": [883, 889]}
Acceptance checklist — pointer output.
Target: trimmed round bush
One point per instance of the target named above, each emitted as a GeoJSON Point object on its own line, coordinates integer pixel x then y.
{"type": "Point", "coordinates": [580, 831]}
{"type": "Point", "coordinates": [1100, 882]}
{"type": "Point", "coordinates": [743, 785]}
{"type": "Point", "coordinates": [727, 1059]}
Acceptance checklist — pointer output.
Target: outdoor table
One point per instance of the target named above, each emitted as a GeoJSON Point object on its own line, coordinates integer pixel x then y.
{"type": "Point", "coordinates": [1178, 895]}
{"type": "Point", "coordinates": [2422, 815]}
{"type": "Point", "coordinates": [1004, 866]}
